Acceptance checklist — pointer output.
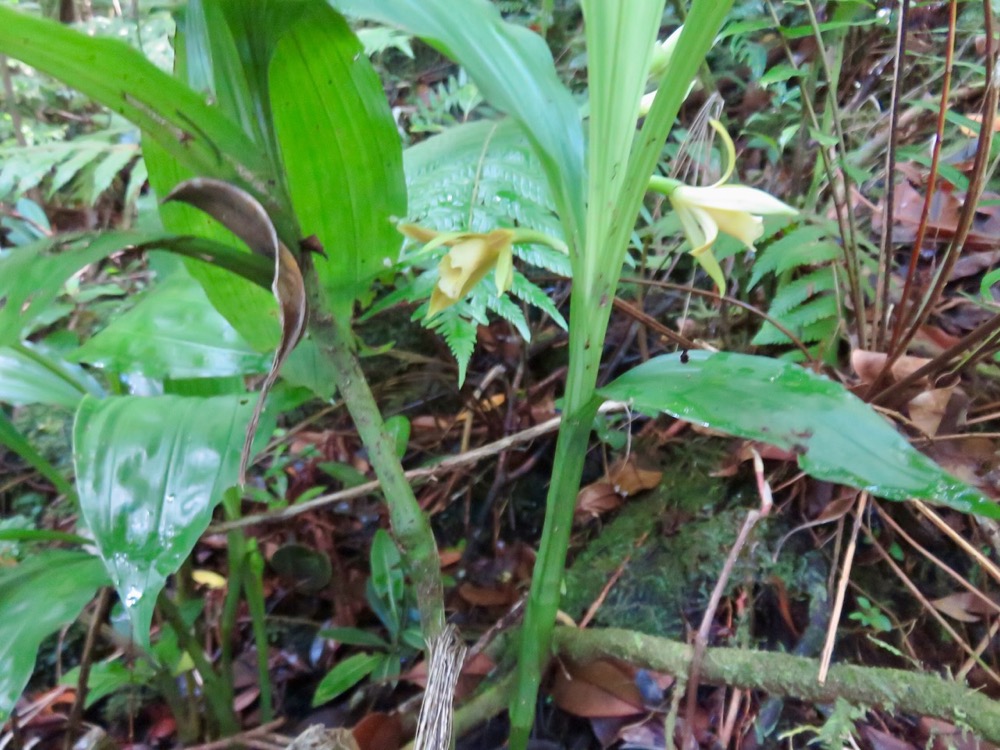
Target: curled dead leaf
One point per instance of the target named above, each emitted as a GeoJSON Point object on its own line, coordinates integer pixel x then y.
{"type": "Point", "coordinates": [595, 500]}
{"type": "Point", "coordinates": [245, 217]}
{"type": "Point", "coordinates": [869, 365]}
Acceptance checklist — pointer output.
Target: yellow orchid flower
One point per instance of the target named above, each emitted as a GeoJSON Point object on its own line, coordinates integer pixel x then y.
{"type": "Point", "coordinates": [733, 209]}
{"type": "Point", "coordinates": [471, 257]}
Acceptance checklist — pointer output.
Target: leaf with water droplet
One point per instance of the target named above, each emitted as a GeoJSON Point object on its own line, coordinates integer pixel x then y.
{"type": "Point", "coordinates": [835, 435]}
{"type": "Point", "coordinates": [149, 473]}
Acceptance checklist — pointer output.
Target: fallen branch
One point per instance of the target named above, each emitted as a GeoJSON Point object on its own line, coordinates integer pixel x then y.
{"type": "Point", "coordinates": [793, 676]}
{"type": "Point", "coordinates": [414, 475]}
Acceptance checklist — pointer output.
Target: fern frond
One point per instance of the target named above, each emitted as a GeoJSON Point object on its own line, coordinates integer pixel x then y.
{"type": "Point", "coordinates": [802, 246]}
{"type": "Point", "coordinates": [791, 295]}
{"type": "Point", "coordinates": [460, 335]}
{"type": "Point", "coordinates": [803, 322]}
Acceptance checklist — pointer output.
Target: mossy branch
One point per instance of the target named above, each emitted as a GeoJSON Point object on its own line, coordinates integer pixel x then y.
{"type": "Point", "coordinates": [792, 676]}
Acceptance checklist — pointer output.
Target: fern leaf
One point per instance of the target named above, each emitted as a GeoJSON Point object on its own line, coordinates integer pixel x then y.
{"type": "Point", "coordinates": [530, 293]}
{"type": "Point", "coordinates": [798, 321]}
{"type": "Point", "coordinates": [460, 335]}
{"type": "Point", "coordinates": [793, 294]}
{"type": "Point", "coordinates": [805, 245]}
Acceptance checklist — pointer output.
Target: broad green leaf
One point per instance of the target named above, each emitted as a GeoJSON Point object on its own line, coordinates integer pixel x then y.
{"type": "Point", "coordinates": [15, 441]}
{"type": "Point", "coordinates": [344, 676]}
{"type": "Point", "coordinates": [250, 310]}
{"type": "Point", "coordinates": [37, 597]}
{"type": "Point", "coordinates": [341, 153]}
{"type": "Point", "coordinates": [213, 63]}
{"type": "Point", "coordinates": [28, 375]}
{"type": "Point", "coordinates": [513, 68]}
{"type": "Point", "coordinates": [173, 332]}
{"type": "Point", "coordinates": [836, 436]}
{"type": "Point", "coordinates": [149, 472]}
{"type": "Point", "coordinates": [198, 136]}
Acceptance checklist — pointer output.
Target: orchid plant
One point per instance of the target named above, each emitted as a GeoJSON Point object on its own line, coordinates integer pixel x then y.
{"type": "Point", "coordinates": [241, 118]}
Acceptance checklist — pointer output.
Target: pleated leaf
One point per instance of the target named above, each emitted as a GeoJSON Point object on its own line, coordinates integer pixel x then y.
{"type": "Point", "coordinates": [149, 472]}
{"type": "Point", "coordinates": [341, 153]}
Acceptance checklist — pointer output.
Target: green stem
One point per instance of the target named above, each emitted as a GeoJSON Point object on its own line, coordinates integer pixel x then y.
{"type": "Point", "coordinates": [220, 701]}
{"type": "Point", "coordinates": [588, 324]}
{"type": "Point", "coordinates": [596, 269]}
{"type": "Point", "coordinates": [253, 582]}
{"type": "Point", "coordinates": [546, 583]}
{"type": "Point", "coordinates": [236, 559]}
{"type": "Point", "coordinates": [410, 526]}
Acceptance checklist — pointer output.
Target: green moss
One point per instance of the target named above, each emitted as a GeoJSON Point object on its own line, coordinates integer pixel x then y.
{"type": "Point", "coordinates": [691, 520]}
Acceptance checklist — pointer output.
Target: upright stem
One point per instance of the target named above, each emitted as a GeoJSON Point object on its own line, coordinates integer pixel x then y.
{"type": "Point", "coordinates": [586, 339]}
{"type": "Point", "coordinates": [410, 526]}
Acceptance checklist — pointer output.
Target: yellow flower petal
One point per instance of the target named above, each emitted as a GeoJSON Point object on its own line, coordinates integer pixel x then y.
{"type": "Point", "coordinates": [417, 232]}
{"type": "Point", "coordinates": [706, 259]}
{"type": "Point", "coordinates": [745, 227]}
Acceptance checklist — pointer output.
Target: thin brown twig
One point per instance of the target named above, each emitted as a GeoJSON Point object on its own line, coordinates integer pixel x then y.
{"type": "Point", "coordinates": [86, 659]}
{"type": "Point", "coordinates": [704, 630]}
{"type": "Point", "coordinates": [925, 210]}
{"type": "Point", "coordinates": [963, 225]}
{"type": "Point", "coordinates": [414, 475]}
{"type": "Point", "coordinates": [983, 598]}
{"type": "Point", "coordinates": [939, 362]}
{"type": "Point", "coordinates": [978, 651]}
{"type": "Point", "coordinates": [988, 565]}
{"type": "Point", "coordinates": [928, 607]}
{"type": "Point", "coordinates": [838, 602]}
{"type": "Point", "coordinates": [882, 306]}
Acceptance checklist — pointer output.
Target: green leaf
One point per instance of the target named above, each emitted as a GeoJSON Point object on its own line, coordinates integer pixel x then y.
{"type": "Point", "coordinates": [32, 276]}
{"type": "Point", "coordinates": [37, 597]}
{"type": "Point", "coordinates": [341, 152]}
{"type": "Point", "coordinates": [149, 472]}
{"type": "Point", "coordinates": [513, 69]}
{"type": "Point", "coordinates": [385, 564]}
{"type": "Point", "coordinates": [477, 177]}
{"type": "Point", "coordinates": [353, 637]}
{"type": "Point", "coordinates": [106, 678]}
{"type": "Point", "coordinates": [398, 428]}
{"type": "Point", "coordinates": [837, 437]}
{"type": "Point", "coordinates": [344, 676]}
{"type": "Point", "coordinates": [28, 375]}
{"type": "Point", "coordinates": [15, 441]}
{"type": "Point", "coordinates": [199, 137]}
{"type": "Point", "coordinates": [173, 332]}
